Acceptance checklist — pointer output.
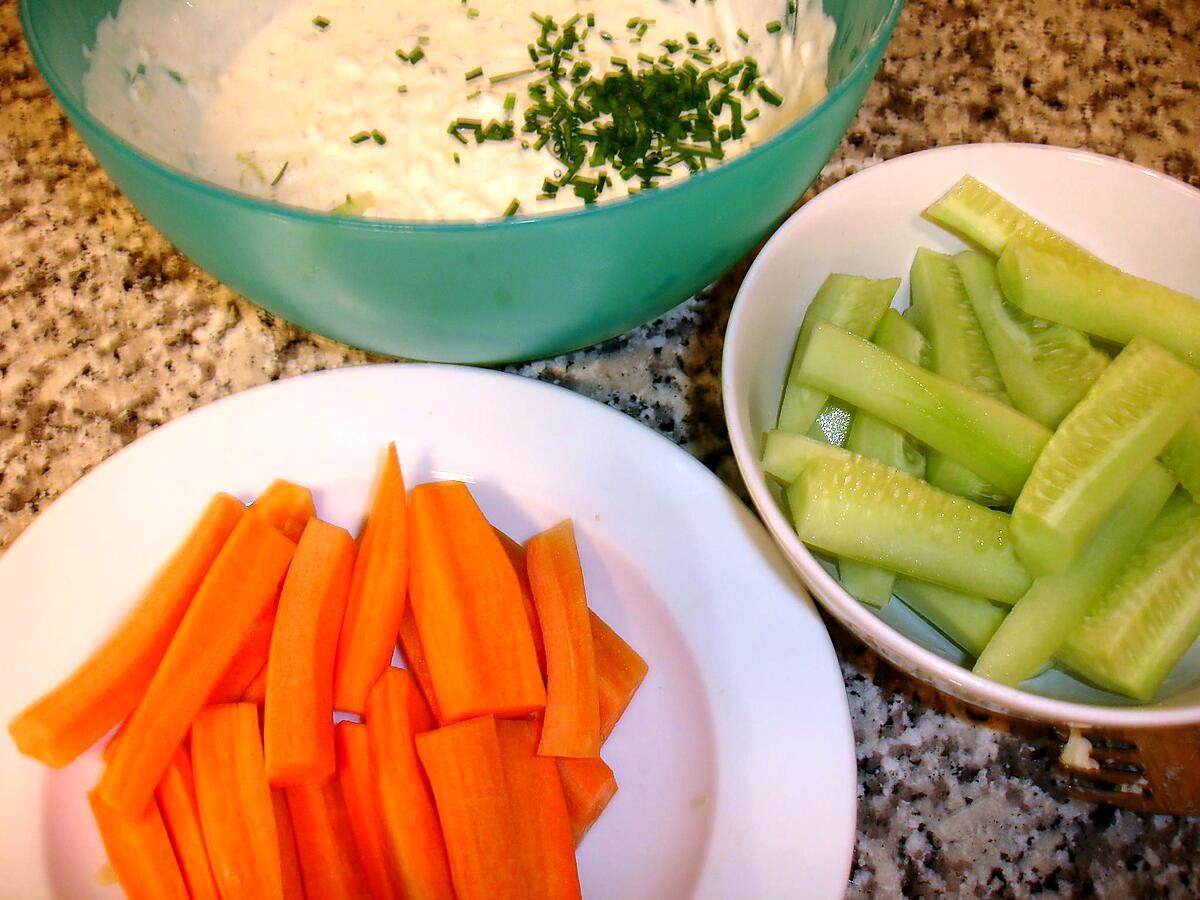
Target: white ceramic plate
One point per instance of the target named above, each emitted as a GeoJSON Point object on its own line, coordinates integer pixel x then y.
{"type": "Point", "coordinates": [735, 760]}
{"type": "Point", "coordinates": [870, 224]}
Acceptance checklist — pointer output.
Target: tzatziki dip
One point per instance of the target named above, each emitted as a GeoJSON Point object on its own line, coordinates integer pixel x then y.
{"type": "Point", "coordinates": [453, 109]}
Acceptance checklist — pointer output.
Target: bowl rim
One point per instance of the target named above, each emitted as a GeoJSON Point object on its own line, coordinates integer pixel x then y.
{"type": "Point", "coordinates": [879, 36]}
{"type": "Point", "coordinates": [919, 662]}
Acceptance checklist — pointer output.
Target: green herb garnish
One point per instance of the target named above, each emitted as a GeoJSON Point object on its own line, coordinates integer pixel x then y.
{"type": "Point", "coordinates": [359, 136]}
{"type": "Point", "coordinates": [774, 27]}
{"type": "Point", "coordinates": [476, 72]}
{"type": "Point", "coordinates": [511, 209]}
{"type": "Point", "coordinates": [321, 22]}
{"type": "Point", "coordinates": [378, 137]}
{"type": "Point", "coordinates": [279, 176]}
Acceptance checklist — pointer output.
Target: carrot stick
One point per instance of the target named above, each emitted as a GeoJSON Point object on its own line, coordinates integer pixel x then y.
{"type": "Point", "coordinates": [287, 506]}
{"type": "Point", "coordinates": [466, 773]}
{"type": "Point", "coordinates": [378, 593]}
{"type": "Point", "coordinates": [416, 663]}
{"type": "Point", "coordinates": [467, 605]}
{"type": "Point", "coordinates": [289, 857]}
{"type": "Point", "coordinates": [107, 686]}
{"type": "Point", "coordinates": [541, 827]}
{"type": "Point", "coordinates": [329, 859]}
{"type": "Point", "coordinates": [516, 556]}
{"type": "Point", "coordinates": [364, 805]}
{"type": "Point", "coordinates": [588, 785]}
{"type": "Point", "coordinates": [244, 578]}
{"type": "Point", "coordinates": [176, 795]}
{"type": "Point", "coordinates": [572, 722]}
{"type": "Point", "coordinates": [298, 716]}
{"type": "Point", "coordinates": [235, 802]}
{"type": "Point", "coordinates": [396, 714]}
{"type": "Point", "coordinates": [620, 671]}
{"type": "Point", "coordinates": [139, 851]}
{"type": "Point", "coordinates": [256, 692]}
{"type": "Point", "coordinates": [248, 661]}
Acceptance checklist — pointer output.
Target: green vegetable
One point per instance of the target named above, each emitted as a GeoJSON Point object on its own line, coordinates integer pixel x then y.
{"type": "Point", "coordinates": [1182, 456]}
{"type": "Point", "coordinates": [968, 621]}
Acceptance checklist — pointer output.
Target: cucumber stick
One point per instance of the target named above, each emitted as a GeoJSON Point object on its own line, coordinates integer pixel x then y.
{"type": "Point", "coordinates": [875, 439]}
{"type": "Point", "coordinates": [1055, 605]}
{"type": "Point", "coordinates": [1098, 298]}
{"type": "Point", "coordinates": [968, 621]}
{"type": "Point", "coordinates": [1046, 367]}
{"type": "Point", "coordinates": [860, 509]}
{"type": "Point", "coordinates": [850, 302]}
{"type": "Point", "coordinates": [786, 455]}
{"type": "Point", "coordinates": [986, 436]}
{"type": "Point", "coordinates": [833, 423]}
{"type": "Point", "coordinates": [1132, 639]}
{"type": "Point", "coordinates": [1098, 452]}
{"type": "Point", "coordinates": [1182, 456]}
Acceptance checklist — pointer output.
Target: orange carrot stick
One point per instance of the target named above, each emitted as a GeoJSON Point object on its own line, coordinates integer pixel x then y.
{"type": "Point", "coordinates": [516, 556]}
{"type": "Point", "coordinates": [396, 714]}
{"type": "Point", "coordinates": [572, 721]}
{"type": "Point", "coordinates": [289, 857]}
{"type": "Point", "coordinates": [176, 795]}
{"type": "Point", "coordinates": [416, 663]}
{"type": "Point", "coordinates": [588, 785]}
{"type": "Point", "coordinates": [256, 692]}
{"type": "Point", "coordinates": [139, 851]}
{"type": "Point", "coordinates": [620, 671]}
{"type": "Point", "coordinates": [244, 578]}
{"type": "Point", "coordinates": [287, 506]}
{"type": "Point", "coordinates": [466, 773]}
{"type": "Point", "coordinates": [364, 804]}
{"type": "Point", "coordinates": [329, 859]}
{"type": "Point", "coordinates": [235, 802]}
{"type": "Point", "coordinates": [541, 827]}
{"type": "Point", "coordinates": [248, 661]}
{"type": "Point", "coordinates": [107, 686]}
{"type": "Point", "coordinates": [298, 716]}
{"type": "Point", "coordinates": [378, 593]}
{"type": "Point", "coordinates": [467, 605]}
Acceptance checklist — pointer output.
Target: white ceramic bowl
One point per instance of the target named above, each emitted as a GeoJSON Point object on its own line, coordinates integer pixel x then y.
{"type": "Point", "coordinates": [870, 225]}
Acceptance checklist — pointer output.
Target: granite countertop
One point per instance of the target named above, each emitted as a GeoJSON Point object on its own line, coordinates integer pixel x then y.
{"type": "Point", "coordinates": [106, 332]}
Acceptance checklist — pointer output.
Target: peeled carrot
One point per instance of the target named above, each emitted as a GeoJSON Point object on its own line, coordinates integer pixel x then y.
{"type": "Point", "coordinates": [289, 856]}
{"type": "Point", "coordinates": [620, 671]}
{"type": "Point", "coordinates": [415, 661]}
{"type": "Point", "coordinates": [244, 578]}
{"type": "Point", "coordinates": [467, 605]}
{"type": "Point", "coordinates": [466, 772]}
{"type": "Point", "coordinates": [176, 795]}
{"type": "Point", "coordinates": [516, 556]}
{"type": "Point", "coordinates": [298, 716]}
{"type": "Point", "coordinates": [396, 714]}
{"type": "Point", "coordinates": [139, 851]}
{"type": "Point", "coordinates": [329, 859]}
{"type": "Point", "coordinates": [588, 785]}
{"type": "Point", "coordinates": [287, 506]}
{"type": "Point", "coordinates": [364, 804]}
{"type": "Point", "coordinates": [378, 593]}
{"type": "Point", "coordinates": [572, 722]}
{"type": "Point", "coordinates": [256, 692]}
{"type": "Point", "coordinates": [541, 826]}
{"type": "Point", "coordinates": [107, 686]}
{"type": "Point", "coordinates": [248, 661]}
{"type": "Point", "coordinates": [235, 802]}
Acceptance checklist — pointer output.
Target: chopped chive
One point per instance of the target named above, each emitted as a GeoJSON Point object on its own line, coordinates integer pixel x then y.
{"type": "Point", "coordinates": [476, 72]}
{"type": "Point", "coordinates": [416, 55]}
{"type": "Point", "coordinates": [400, 54]}
{"type": "Point", "coordinates": [752, 115]}
{"type": "Point", "coordinates": [606, 36]}
{"type": "Point", "coordinates": [509, 76]}
{"type": "Point", "coordinates": [774, 27]}
{"type": "Point", "coordinates": [457, 159]}
{"type": "Point", "coordinates": [378, 137]}
{"type": "Point", "coordinates": [474, 94]}
{"type": "Point", "coordinates": [402, 89]}
{"type": "Point", "coordinates": [692, 39]}
{"type": "Point", "coordinates": [510, 101]}
{"type": "Point", "coordinates": [591, 20]}
{"type": "Point", "coordinates": [769, 95]}
{"type": "Point", "coordinates": [646, 58]}
{"type": "Point", "coordinates": [472, 12]}
{"type": "Point", "coordinates": [745, 38]}
{"type": "Point", "coordinates": [701, 56]}
{"type": "Point", "coordinates": [620, 62]}
{"type": "Point", "coordinates": [359, 136]}
{"type": "Point", "coordinates": [175, 76]}
{"type": "Point", "coordinates": [511, 209]}
{"type": "Point", "coordinates": [321, 22]}
{"type": "Point", "coordinates": [279, 176]}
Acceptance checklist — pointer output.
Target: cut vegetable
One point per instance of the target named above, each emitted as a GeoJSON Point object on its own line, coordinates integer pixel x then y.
{"type": "Point", "coordinates": [108, 685]}
{"type": "Point", "coordinates": [1182, 456]}
{"type": "Point", "coordinates": [289, 856]}
{"type": "Point", "coordinates": [951, 476]}
{"type": "Point", "coordinates": [847, 301]}
{"type": "Point", "coordinates": [244, 578]}
{"type": "Point", "coordinates": [785, 455]}
{"type": "Point", "coordinates": [571, 726]}
{"type": "Point", "coordinates": [235, 802]}
{"type": "Point", "coordinates": [1137, 633]}
{"type": "Point", "coordinates": [1099, 451]}
{"type": "Point", "coordinates": [249, 660]}
{"type": "Point", "coordinates": [1046, 367]}
{"type": "Point", "coordinates": [468, 609]}
{"type": "Point", "coordinates": [298, 715]}
{"type": "Point", "coordinates": [287, 506]}
{"type": "Point", "coordinates": [256, 691]}
{"type": "Point", "coordinates": [176, 795]}
{"type": "Point", "coordinates": [541, 834]}
{"type": "Point", "coordinates": [466, 772]}
{"type": "Point", "coordinates": [516, 556]}
{"type": "Point", "coordinates": [966, 620]}
{"type": "Point", "coordinates": [139, 852]}
{"type": "Point", "coordinates": [364, 803]}
{"type": "Point", "coordinates": [620, 671]}
{"type": "Point", "coordinates": [866, 583]}
{"type": "Point", "coordinates": [986, 436]}
{"type": "Point", "coordinates": [864, 510]}
{"type": "Point", "coordinates": [329, 859]}
{"type": "Point", "coordinates": [378, 593]}
{"type": "Point", "coordinates": [416, 663]}
{"type": "Point", "coordinates": [588, 786]}
{"type": "Point", "coordinates": [1055, 605]}
{"type": "Point", "coordinates": [1099, 299]}
{"type": "Point", "coordinates": [833, 423]}
{"type": "Point", "coordinates": [396, 714]}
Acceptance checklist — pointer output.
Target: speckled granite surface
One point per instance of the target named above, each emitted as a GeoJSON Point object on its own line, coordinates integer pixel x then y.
{"type": "Point", "coordinates": [105, 332]}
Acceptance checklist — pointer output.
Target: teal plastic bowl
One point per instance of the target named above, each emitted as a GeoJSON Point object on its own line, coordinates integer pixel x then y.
{"type": "Point", "coordinates": [484, 292]}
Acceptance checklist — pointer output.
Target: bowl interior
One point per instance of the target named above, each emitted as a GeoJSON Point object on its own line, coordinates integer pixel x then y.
{"type": "Point", "coordinates": [871, 225]}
